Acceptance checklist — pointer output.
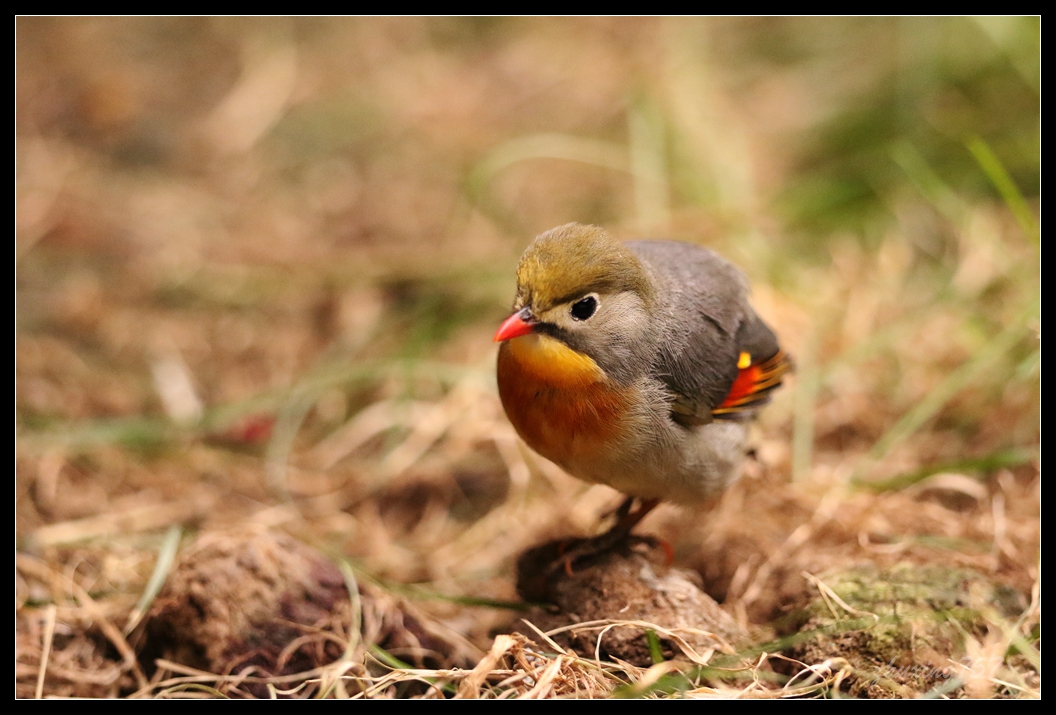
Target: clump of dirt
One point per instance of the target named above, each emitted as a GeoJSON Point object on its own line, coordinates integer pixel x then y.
{"type": "Point", "coordinates": [250, 598]}
{"type": "Point", "coordinates": [899, 632]}
{"type": "Point", "coordinates": [263, 604]}
{"type": "Point", "coordinates": [609, 604]}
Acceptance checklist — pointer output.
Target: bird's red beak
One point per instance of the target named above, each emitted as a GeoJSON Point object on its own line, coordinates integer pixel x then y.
{"type": "Point", "coordinates": [518, 324]}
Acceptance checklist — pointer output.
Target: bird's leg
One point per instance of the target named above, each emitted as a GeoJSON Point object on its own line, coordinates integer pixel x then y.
{"type": "Point", "coordinates": [625, 521]}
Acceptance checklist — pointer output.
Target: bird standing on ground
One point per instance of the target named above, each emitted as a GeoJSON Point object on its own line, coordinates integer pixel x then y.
{"type": "Point", "coordinates": [635, 365]}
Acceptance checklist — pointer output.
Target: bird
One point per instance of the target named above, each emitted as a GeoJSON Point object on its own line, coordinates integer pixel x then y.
{"type": "Point", "coordinates": [637, 365]}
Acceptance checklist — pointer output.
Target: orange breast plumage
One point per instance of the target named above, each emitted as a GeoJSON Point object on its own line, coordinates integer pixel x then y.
{"type": "Point", "coordinates": [559, 401]}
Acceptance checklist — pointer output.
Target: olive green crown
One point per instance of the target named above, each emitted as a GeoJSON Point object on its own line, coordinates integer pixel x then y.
{"type": "Point", "coordinates": [568, 261]}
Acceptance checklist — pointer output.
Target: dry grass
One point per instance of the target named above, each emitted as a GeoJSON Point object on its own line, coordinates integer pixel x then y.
{"type": "Point", "coordinates": [258, 267]}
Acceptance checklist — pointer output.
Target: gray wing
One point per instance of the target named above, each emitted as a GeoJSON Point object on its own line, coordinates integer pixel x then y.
{"type": "Point", "coordinates": [703, 301]}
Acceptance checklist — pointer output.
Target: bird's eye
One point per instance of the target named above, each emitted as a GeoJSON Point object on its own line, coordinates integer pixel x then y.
{"type": "Point", "coordinates": [584, 308]}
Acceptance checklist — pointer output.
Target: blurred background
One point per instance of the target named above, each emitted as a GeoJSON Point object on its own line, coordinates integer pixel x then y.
{"type": "Point", "coordinates": [259, 263]}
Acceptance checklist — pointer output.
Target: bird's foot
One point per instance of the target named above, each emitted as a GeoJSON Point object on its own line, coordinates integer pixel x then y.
{"type": "Point", "coordinates": [544, 565]}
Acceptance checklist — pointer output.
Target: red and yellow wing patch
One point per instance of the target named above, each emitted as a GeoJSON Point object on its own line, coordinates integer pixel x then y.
{"type": "Point", "coordinates": [753, 385]}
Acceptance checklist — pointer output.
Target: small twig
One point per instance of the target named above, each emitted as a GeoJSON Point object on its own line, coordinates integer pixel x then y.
{"type": "Point", "coordinates": [49, 634]}
{"type": "Point", "coordinates": [827, 593]}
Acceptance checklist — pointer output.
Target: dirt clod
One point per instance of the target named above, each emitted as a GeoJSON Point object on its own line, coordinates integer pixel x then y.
{"type": "Point", "coordinates": [250, 598]}
{"type": "Point", "coordinates": [903, 631]}
{"type": "Point", "coordinates": [619, 596]}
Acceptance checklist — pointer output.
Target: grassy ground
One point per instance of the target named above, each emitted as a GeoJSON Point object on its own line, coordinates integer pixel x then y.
{"type": "Point", "coordinates": [259, 263]}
